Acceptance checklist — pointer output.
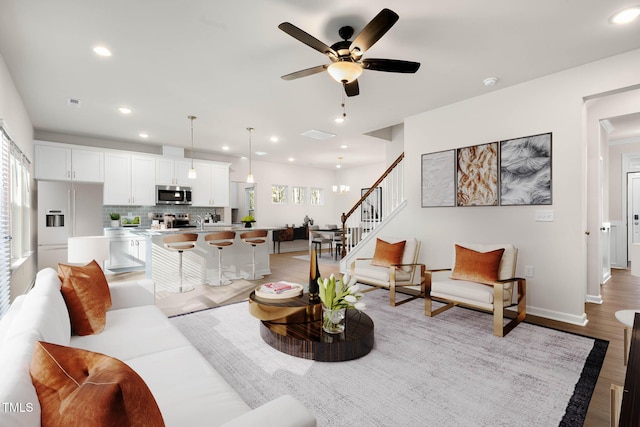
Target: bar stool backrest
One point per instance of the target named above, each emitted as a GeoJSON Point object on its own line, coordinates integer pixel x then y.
{"type": "Point", "coordinates": [220, 238]}
{"type": "Point", "coordinates": [180, 241]}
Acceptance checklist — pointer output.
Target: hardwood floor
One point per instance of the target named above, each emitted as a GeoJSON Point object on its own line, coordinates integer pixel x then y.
{"type": "Point", "coordinates": [621, 292]}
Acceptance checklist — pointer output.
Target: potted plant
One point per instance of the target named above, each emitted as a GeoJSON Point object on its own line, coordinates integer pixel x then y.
{"type": "Point", "coordinates": [338, 295]}
{"type": "Point", "coordinates": [115, 219]}
{"type": "Point", "coordinates": [248, 220]}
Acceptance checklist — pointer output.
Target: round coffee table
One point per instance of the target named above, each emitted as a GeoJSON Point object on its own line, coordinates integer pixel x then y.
{"type": "Point", "coordinates": [294, 326]}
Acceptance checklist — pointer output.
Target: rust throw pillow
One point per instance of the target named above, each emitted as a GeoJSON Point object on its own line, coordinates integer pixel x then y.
{"type": "Point", "coordinates": [91, 271]}
{"type": "Point", "coordinates": [83, 388]}
{"type": "Point", "coordinates": [481, 267]}
{"type": "Point", "coordinates": [387, 254]}
{"type": "Point", "coordinates": [85, 304]}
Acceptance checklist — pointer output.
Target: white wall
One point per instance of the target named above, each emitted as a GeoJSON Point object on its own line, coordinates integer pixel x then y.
{"type": "Point", "coordinates": [556, 250]}
{"type": "Point", "coordinates": [18, 124]}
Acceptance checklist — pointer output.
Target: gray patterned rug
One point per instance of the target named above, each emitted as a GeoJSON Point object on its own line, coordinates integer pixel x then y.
{"type": "Point", "coordinates": [444, 371]}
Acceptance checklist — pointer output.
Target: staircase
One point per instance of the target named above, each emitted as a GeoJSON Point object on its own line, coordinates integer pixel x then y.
{"type": "Point", "coordinates": [375, 208]}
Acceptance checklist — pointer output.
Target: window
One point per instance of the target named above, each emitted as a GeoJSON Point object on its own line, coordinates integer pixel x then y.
{"type": "Point", "coordinates": [15, 212]}
{"type": "Point", "coordinates": [20, 198]}
{"type": "Point", "coordinates": [279, 194]}
{"type": "Point", "coordinates": [317, 196]}
{"type": "Point", "coordinates": [298, 195]}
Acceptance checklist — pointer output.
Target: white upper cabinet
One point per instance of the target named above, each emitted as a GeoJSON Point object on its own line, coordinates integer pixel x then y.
{"type": "Point", "coordinates": [172, 172]}
{"type": "Point", "coordinates": [129, 179]}
{"type": "Point", "coordinates": [211, 187]}
{"type": "Point", "coordinates": [60, 163]}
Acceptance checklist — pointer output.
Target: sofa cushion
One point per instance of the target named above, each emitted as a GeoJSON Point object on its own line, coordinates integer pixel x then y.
{"type": "Point", "coordinates": [43, 309]}
{"type": "Point", "coordinates": [79, 387]}
{"type": "Point", "coordinates": [20, 405]}
{"type": "Point", "coordinates": [189, 391]}
{"type": "Point", "coordinates": [91, 271]}
{"type": "Point", "coordinates": [86, 305]}
{"type": "Point", "coordinates": [387, 254]}
{"type": "Point", "coordinates": [367, 273]}
{"type": "Point", "coordinates": [133, 332]}
{"type": "Point", "coordinates": [481, 267]}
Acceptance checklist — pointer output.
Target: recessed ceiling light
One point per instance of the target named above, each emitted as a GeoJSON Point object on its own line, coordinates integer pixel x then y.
{"type": "Point", "coordinates": [124, 110]}
{"type": "Point", "coordinates": [626, 15]}
{"type": "Point", "coordinates": [339, 119]}
{"type": "Point", "coordinates": [274, 139]}
{"type": "Point", "coordinates": [225, 147]}
{"type": "Point", "coordinates": [101, 51]}
{"type": "Point", "coordinates": [143, 135]}
{"type": "Point", "coordinates": [291, 159]}
{"type": "Point", "coordinates": [490, 81]}
{"type": "Point", "coordinates": [344, 146]}
{"type": "Point", "coordinates": [260, 153]}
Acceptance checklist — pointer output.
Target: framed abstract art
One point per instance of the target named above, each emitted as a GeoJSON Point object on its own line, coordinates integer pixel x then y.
{"type": "Point", "coordinates": [439, 179]}
{"type": "Point", "coordinates": [477, 175]}
{"type": "Point", "coordinates": [525, 171]}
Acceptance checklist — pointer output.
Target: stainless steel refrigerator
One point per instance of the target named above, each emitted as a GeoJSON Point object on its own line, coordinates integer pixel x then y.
{"type": "Point", "coordinates": [66, 209]}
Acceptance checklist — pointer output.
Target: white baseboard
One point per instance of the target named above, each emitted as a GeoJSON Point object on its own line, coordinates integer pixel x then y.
{"type": "Point", "coordinates": [559, 316]}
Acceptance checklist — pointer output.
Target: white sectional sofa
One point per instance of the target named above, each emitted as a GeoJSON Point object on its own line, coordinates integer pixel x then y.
{"type": "Point", "coordinates": [187, 389]}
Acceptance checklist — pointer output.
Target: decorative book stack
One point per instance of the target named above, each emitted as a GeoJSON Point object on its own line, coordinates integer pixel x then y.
{"type": "Point", "coordinates": [279, 290]}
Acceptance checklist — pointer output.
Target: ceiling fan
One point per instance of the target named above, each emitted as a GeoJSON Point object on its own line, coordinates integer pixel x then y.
{"type": "Point", "coordinates": [347, 63]}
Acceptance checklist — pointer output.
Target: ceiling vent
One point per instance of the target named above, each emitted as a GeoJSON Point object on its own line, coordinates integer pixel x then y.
{"type": "Point", "coordinates": [73, 102]}
{"type": "Point", "coordinates": [318, 134]}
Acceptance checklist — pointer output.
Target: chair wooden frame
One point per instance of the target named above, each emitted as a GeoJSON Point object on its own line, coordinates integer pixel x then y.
{"type": "Point", "coordinates": [499, 328]}
{"type": "Point", "coordinates": [392, 282]}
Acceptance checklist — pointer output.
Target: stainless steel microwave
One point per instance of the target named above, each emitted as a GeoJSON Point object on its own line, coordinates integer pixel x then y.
{"type": "Point", "coordinates": [173, 195]}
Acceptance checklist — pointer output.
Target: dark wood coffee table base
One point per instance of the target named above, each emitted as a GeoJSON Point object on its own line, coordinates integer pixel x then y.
{"type": "Point", "coordinates": [309, 341]}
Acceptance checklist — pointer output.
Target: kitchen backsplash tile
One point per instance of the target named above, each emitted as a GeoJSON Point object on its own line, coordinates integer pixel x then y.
{"type": "Point", "coordinates": [143, 212]}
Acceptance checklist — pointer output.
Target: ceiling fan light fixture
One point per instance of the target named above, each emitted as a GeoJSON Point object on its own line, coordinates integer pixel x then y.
{"type": "Point", "coordinates": [344, 71]}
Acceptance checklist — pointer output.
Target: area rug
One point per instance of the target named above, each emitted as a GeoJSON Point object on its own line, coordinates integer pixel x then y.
{"type": "Point", "coordinates": [448, 370]}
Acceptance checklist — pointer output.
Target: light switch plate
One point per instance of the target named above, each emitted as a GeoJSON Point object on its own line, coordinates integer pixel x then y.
{"type": "Point", "coordinates": [545, 215]}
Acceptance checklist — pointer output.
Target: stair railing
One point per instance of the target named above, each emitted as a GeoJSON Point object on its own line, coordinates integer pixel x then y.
{"type": "Point", "coordinates": [386, 194]}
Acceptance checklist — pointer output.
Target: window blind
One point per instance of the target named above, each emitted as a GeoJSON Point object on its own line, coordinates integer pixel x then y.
{"type": "Point", "coordinates": [5, 236]}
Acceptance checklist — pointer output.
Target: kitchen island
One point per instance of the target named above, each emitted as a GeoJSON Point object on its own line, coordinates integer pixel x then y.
{"type": "Point", "coordinates": [200, 265]}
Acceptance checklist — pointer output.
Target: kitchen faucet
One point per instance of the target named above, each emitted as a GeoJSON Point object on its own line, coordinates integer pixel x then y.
{"type": "Point", "coordinates": [200, 222]}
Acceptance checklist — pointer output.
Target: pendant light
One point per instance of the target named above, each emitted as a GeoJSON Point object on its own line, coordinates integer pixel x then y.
{"type": "Point", "coordinates": [250, 176]}
{"type": "Point", "coordinates": [192, 171]}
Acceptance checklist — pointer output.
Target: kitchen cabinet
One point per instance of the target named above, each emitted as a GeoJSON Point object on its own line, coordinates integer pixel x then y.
{"type": "Point", "coordinates": [173, 172]}
{"type": "Point", "coordinates": [211, 188]}
{"type": "Point", "coordinates": [61, 163]}
{"type": "Point", "coordinates": [129, 179]}
{"type": "Point", "coordinates": [127, 251]}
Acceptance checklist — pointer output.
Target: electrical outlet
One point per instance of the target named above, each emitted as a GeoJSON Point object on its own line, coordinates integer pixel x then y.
{"type": "Point", "coordinates": [528, 271]}
{"type": "Point", "coordinates": [545, 215]}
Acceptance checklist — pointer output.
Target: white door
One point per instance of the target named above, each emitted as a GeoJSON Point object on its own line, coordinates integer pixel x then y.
{"type": "Point", "coordinates": [633, 208]}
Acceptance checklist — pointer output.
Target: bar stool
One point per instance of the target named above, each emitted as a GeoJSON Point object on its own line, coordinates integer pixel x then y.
{"type": "Point", "coordinates": [180, 242]}
{"type": "Point", "coordinates": [254, 238]}
{"type": "Point", "coordinates": [220, 240]}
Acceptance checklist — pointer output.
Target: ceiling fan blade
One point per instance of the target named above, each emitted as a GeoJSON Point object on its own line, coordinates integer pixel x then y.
{"type": "Point", "coordinates": [375, 29]}
{"type": "Point", "coordinates": [305, 73]}
{"type": "Point", "coordinates": [307, 39]}
{"type": "Point", "coordinates": [352, 89]}
{"type": "Point", "coordinates": [390, 65]}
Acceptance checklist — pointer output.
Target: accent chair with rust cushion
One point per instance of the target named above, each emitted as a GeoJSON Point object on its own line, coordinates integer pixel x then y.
{"type": "Point", "coordinates": [483, 277]}
{"type": "Point", "coordinates": [393, 265]}
{"type": "Point", "coordinates": [80, 387]}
